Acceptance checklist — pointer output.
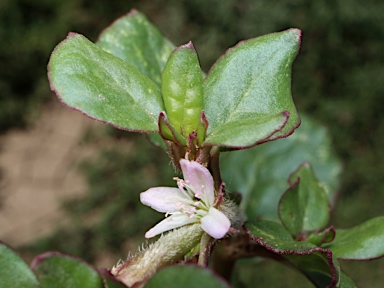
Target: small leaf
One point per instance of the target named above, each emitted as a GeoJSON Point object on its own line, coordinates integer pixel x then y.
{"type": "Point", "coordinates": [252, 80]}
{"type": "Point", "coordinates": [14, 271]}
{"type": "Point", "coordinates": [103, 86]}
{"type": "Point", "coordinates": [261, 173]}
{"type": "Point", "coordinates": [363, 242]}
{"type": "Point", "coordinates": [186, 276]}
{"type": "Point", "coordinates": [314, 262]}
{"type": "Point", "coordinates": [63, 271]}
{"type": "Point", "coordinates": [304, 207]}
{"type": "Point", "coordinates": [322, 237]}
{"type": "Point", "coordinates": [138, 42]}
{"type": "Point", "coordinates": [183, 91]}
{"type": "Point", "coordinates": [168, 132]}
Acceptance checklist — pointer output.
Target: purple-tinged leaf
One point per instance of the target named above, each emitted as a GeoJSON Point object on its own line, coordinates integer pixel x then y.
{"type": "Point", "coordinates": [362, 242]}
{"type": "Point", "coordinates": [316, 263]}
{"type": "Point", "coordinates": [62, 271]}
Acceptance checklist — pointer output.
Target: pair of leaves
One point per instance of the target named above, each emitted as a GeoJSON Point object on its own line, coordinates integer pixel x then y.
{"type": "Point", "coordinates": [51, 270]}
{"type": "Point", "coordinates": [247, 94]}
{"type": "Point", "coordinates": [62, 271]}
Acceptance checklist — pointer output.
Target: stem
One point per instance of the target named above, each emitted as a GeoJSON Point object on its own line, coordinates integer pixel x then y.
{"type": "Point", "coordinates": [205, 250]}
{"type": "Point", "coordinates": [215, 167]}
{"type": "Point", "coordinates": [168, 249]}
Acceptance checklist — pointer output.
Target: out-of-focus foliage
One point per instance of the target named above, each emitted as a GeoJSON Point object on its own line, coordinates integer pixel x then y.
{"type": "Point", "coordinates": [29, 30]}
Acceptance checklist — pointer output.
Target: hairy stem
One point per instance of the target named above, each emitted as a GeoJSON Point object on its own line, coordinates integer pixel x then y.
{"type": "Point", "coordinates": [168, 249]}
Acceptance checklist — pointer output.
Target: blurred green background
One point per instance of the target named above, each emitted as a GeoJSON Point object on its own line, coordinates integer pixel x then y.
{"type": "Point", "coordinates": [338, 79]}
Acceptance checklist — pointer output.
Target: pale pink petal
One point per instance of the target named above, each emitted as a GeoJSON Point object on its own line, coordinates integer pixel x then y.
{"type": "Point", "coordinates": [163, 199]}
{"type": "Point", "coordinates": [174, 221]}
{"type": "Point", "coordinates": [215, 223]}
{"type": "Point", "coordinates": [200, 179]}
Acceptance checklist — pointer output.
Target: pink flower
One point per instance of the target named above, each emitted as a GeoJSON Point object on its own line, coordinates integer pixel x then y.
{"type": "Point", "coordinates": [192, 202]}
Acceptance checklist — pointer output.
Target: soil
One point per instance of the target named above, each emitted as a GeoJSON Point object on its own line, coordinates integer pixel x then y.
{"type": "Point", "coordinates": [38, 170]}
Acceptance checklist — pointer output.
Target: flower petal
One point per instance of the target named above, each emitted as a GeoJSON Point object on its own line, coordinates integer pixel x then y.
{"type": "Point", "coordinates": [215, 223]}
{"type": "Point", "coordinates": [163, 199]}
{"type": "Point", "coordinates": [174, 221]}
{"type": "Point", "coordinates": [199, 177]}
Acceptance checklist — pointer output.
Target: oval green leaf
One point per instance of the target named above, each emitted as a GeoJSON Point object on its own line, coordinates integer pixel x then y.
{"type": "Point", "coordinates": [63, 271]}
{"type": "Point", "coordinates": [103, 86]}
{"type": "Point", "coordinates": [134, 39]}
{"type": "Point", "coordinates": [252, 80]}
{"type": "Point", "coordinates": [186, 276]}
{"type": "Point", "coordinates": [14, 271]}
{"type": "Point", "coordinates": [260, 174]}
{"type": "Point", "coordinates": [182, 91]}
{"type": "Point", "coordinates": [316, 263]}
{"type": "Point", "coordinates": [363, 242]}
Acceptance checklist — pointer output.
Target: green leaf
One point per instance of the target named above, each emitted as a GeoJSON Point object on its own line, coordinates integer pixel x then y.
{"type": "Point", "coordinates": [304, 206]}
{"type": "Point", "coordinates": [363, 242]}
{"type": "Point", "coordinates": [62, 271]}
{"type": "Point", "coordinates": [263, 127]}
{"type": "Point", "coordinates": [138, 42]}
{"type": "Point", "coordinates": [261, 173]}
{"type": "Point", "coordinates": [14, 271]}
{"type": "Point", "coordinates": [314, 262]}
{"type": "Point", "coordinates": [182, 91]}
{"type": "Point", "coordinates": [186, 276]}
{"type": "Point", "coordinates": [103, 86]}
{"type": "Point", "coordinates": [252, 81]}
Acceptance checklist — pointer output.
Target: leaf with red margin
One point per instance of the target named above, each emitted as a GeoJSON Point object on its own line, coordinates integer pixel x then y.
{"type": "Point", "coordinates": [316, 263]}
{"type": "Point", "coordinates": [14, 271]}
{"type": "Point", "coordinates": [103, 86]}
{"type": "Point", "coordinates": [362, 242]}
{"type": "Point", "coordinates": [251, 83]}
{"type": "Point", "coordinates": [322, 237]}
{"type": "Point", "coordinates": [57, 270]}
{"type": "Point", "coordinates": [134, 39]}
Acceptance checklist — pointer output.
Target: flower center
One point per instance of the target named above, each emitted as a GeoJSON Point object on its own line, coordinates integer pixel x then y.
{"type": "Point", "coordinates": [194, 205]}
